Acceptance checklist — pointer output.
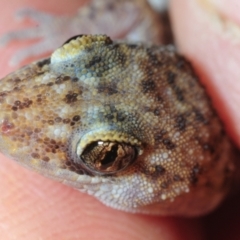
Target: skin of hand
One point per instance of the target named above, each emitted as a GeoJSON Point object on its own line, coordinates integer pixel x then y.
{"type": "Point", "coordinates": [207, 33]}
{"type": "Point", "coordinates": [34, 207]}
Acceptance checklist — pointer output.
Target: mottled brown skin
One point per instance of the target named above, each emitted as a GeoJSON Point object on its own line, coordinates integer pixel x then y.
{"type": "Point", "coordinates": [143, 102]}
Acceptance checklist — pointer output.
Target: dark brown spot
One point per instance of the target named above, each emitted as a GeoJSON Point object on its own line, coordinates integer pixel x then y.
{"type": "Point", "coordinates": [17, 103]}
{"type": "Point", "coordinates": [27, 102]}
{"type": "Point", "coordinates": [59, 80]}
{"type": "Point", "coordinates": [37, 130]}
{"type": "Point", "coordinates": [50, 122]}
{"type": "Point", "coordinates": [58, 119]}
{"type": "Point", "coordinates": [47, 150]}
{"type": "Point", "coordinates": [199, 116]}
{"type": "Point", "coordinates": [109, 89]}
{"type": "Point", "coordinates": [29, 132]}
{"type": "Point", "coordinates": [95, 60]}
{"type": "Point", "coordinates": [171, 77]}
{"type": "Point", "coordinates": [156, 111]}
{"type": "Point", "coordinates": [21, 105]}
{"type": "Point", "coordinates": [179, 94]}
{"type": "Point", "coordinates": [183, 64]}
{"type": "Point", "coordinates": [76, 118]}
{"type": "Point", "coordinates": [75, 79]}
{"type": "Point", "coordinates": [194, 174]}
{"type": "Point", "coordinates": [148, 85]}
{"type": "Point", "coordinates": [160, 169]}
{"type": "Point", "coordinates": [121, 116]}
{"type": "Point", "coordinates": [46, 159]}
{"type": "Point", "coordinates": [16, 89]}
{"type": "Point", "coordinates": [109, 116]}
{"type": "Point", "coordinates": [71, 97]}
{"type": "Point", "coordinates": [159, 98]}
{"type": "Point", "coordinates": [50, 84]}
{"type": "Point", "coordinates": [66, 120]}
{"type": "Point", "coordinates": [3, 94]}
{"type": "Point", "coordinates": [35, 155]}
{"type": "Point", "coordinates": [39, 140]}
{"type": "Point", "coordinates": [159, 136]}
{"type": "Point", "coordinates": [169, 144]}
{"type": "Point", "coordinates": [16, 80]}
{"type": "Point", "coordinates": [68, 163]}
{"type": "Point", "coordinates": [153, 58]}
{"type": "Point", "coordinates": [180, 63]}
{"type": "Point", "coordinates": [180, 123]}
{"type": "Point", "coordinates": [122, 58]}
{"type": "Point", "coordinates": [66, 78]}
{"type": "Point", "coordinates": [177, 178]}
{"type": "Point", "coordinates": [164, 185]}
{"type": "Point", "coordinates": [52, 141]}
{"type": "Point", "coordinates": [89, 48]}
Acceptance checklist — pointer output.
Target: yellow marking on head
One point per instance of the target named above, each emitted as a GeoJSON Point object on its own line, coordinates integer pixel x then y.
{"type": "Point", "coordinates": [76, 46]}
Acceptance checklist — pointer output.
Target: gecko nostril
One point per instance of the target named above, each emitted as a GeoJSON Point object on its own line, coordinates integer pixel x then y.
{"type": "Point", "coordinates": [108, 157]}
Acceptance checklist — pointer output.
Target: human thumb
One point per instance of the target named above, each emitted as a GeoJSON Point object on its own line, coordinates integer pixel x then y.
{"type": "Point", "coordinates": [207, 32]}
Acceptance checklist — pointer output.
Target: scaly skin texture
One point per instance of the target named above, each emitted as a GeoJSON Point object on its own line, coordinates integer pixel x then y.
{"type": "Point", "coordinates": [127, 123]}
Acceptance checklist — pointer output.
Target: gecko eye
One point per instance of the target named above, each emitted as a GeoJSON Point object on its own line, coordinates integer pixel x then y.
{"type": "Point", "coordinates": [108, 157]}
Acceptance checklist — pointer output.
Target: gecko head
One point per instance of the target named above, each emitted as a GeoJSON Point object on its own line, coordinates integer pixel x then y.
{"type": "Point", "coordinates": [127, 123]}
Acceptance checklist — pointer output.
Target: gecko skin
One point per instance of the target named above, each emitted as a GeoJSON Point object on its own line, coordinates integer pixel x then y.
{"type": "Point", "coordinates": [127, 123]}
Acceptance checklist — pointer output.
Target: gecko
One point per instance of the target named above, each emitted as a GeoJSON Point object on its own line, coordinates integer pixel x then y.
{"type": "Point", "coordinates": [126, 122]}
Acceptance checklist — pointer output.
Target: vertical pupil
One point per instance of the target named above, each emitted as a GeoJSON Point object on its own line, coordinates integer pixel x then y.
{"type": "Point", "coordinates": [107, 157]}
{"type": "Point", "coordinates": [110, 155]}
